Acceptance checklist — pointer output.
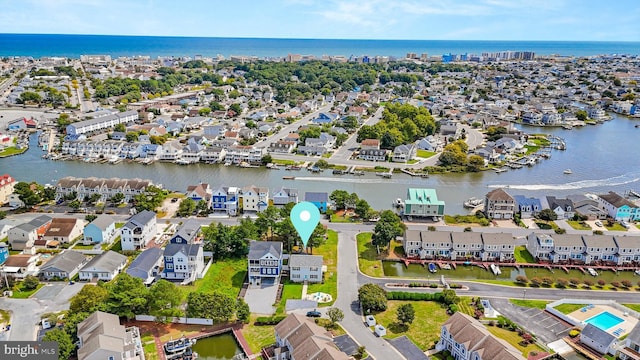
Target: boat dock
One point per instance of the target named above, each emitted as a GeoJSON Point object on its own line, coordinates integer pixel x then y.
{"type": "Point", "coordinates": [409, 172]}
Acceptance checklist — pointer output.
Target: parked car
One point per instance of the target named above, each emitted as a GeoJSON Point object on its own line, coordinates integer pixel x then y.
{"type": "Point", "coordinates": [598, 223]}
{"type": "Point", "coordinates": [314, 313]}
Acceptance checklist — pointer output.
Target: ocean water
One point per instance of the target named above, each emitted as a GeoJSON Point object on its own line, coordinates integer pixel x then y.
{"type": "Point", "coordinates": [38, 45]}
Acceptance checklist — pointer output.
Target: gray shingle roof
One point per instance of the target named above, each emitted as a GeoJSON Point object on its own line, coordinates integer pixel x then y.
{"type": "Point", "coordinates": [103, 221]}
{"type": "Point", "coordinates": [67, 261]}
{"type": "Point", "coordinates": [145, 262]}
{"type": "Point", "coordinates": [108, 261]}
{"type": "Point", "coordinates": [258, 249]}
{"type": "Point", "coordinates": [189, 249]}
{"type": "Point", "coordinates": [305, 260]}
{"type": "Point", "coordinates": [142, 218]}
{"type": "Point", "coordinates": [316, 196]}
{"type": "Point", "coordinates": [597, 335]}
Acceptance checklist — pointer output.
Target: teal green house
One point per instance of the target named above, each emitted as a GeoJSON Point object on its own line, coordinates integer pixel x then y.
{"type": "Point", "coordinates": [423, 202]}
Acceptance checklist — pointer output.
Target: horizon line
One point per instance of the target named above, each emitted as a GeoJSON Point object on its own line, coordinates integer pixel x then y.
{"type": "Point", "coordinates": [303, 38]}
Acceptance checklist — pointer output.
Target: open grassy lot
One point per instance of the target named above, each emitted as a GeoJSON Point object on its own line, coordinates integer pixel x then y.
{"type": "Point", "coordinates": [224, 276]}
{"type": "Point", "coordinates": [20, 293]}
{"type": "Point", "coordinates": [568, 308]}
{"type": "Point", "coordinates": [522, 255]}
{"type": "Point", "coordinates": [425, 329]}
{"type": "Point", "coordinates": [368, 258]}
{"type": "Point", "coordinates": [258, 336]}
{"type": "Point", "coordinates": [330, 253]}
{"type": "Point", "coordinates": [513, 338]}
{"type": "Point", "coordinates": [614, 227]}
{"type": "Point", "coordinates": [290, 290]}
{"type": "Point", "coordinates": [11, 151]}
{"type": "Point", "coordinates": [425, 154]}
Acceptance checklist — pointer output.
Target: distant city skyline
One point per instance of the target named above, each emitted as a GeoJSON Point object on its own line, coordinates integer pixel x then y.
{"type": "Point", "coordinates": [544, 20]}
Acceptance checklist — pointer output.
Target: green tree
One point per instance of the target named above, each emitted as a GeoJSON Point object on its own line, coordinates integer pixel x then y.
{"type": "Point", "coordinates": [27, 194]}
{"type": "Point", "coordinates": [387, 228]}
{"type": "Point", "coordinates": [187, 207]}
{"type": "Point", "coordinates": [363, 210]}
{"type": "Point", "coordinates": [202, 207]}
{"type": "Point", "coordinates": [163, 300]}
{"type": "Point", "coordinates": [235, 107]}
{"type": "Point", "coordinates": [547, 215]}
{"type": "Point", "coordinates": [406, 314]}
{"type": "Point", "coordinates": [372, 298]}
{"type": "Point", "coordinates": [242, 310]}
{"type": "Point", "coordinates": [350, 122]}
{"type": "Point", "coordinates": [204, 111]}
{"type": "Point", "coordinates": [266, 159]}
{"type": "Point", "coordinates": [71, 321]}
{"type": "Point", "coordinates": [90, 217]}
{"type": "Point", "coordinates": [318, 237]}
{"type": "Point", "coordinates": [267, 220]}
{"type": "Point", "coordinates": [449, 297]}
{"type": "Point", "coordinates": [75, 204]}
{"type": "Point", "coordinates": [127, 296]}
{"type": "Point", "coordinates": [120, 128]}
{"type": "Point", "coordinates": [62, 122]}
{"type": "Point", "coordinates": [132, 136]}
{"type": "Point", "coordinates": [216, 306]}
{"type": "Point", "coordinates": [335, 315]}
{"type": "Point", "coordinates": [89, 299]}
{"type": "Point", "coordinates": [117, 198]}
{"type": "Point", "coordinates": [30, 97]}
{"type": "Point", "coordinates": [582, 115]}
{"type": "Point", "coordinates": [30, 282]}
{"type": "Point", "coordinates": [476, 163]}
{"type": "Point", "coordinates": [64, 340]}
{"type": "Point", "coordinates": [339, 198]}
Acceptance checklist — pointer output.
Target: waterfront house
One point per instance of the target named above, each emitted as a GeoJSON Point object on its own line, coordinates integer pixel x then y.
{"type": "Point", "coordinates": [63, 230]}
{"type": "Point", "coordinates": [497, 247]}
{"type": "Point", "coordinates": [264, 262]}
{"type": "Point", "coordinates": [138, 231]}
{"type": "Point", "coordinates": [319, 199]}
{"type": "Point", "coordinates": [225, 199]}
{"type": "Point", "coordinates": [467, 339]}
{"type": "Point", "coordinates": [100, 336]}
{"type": "Point", "coordinates": [4, 252]}
{"type": "Point", "coordinates": [107, 188]}
{"type": "Point", "coordinates": [527, 207]}
{"type": "Point", "coordinates": [628, 248]}
{"type": "Point", "coordinates": [304, 267]}
{"type": "Point", "coordinates": [427, 244]}
{"type": "Point", "coordinates": [254, 199]}
{"type": "Point", "coordinates": [213, 154]}
{"type": "Point", "coordinates": [171, 151]}
{"type": "Point", "coordinates": [562, 207]}
{"type": "Point", "coordinates": [466, 246]}
{"type": "Point", "coordinates": [587, 206]}
{"type": "Point", "coordinates": [600, 248]}
{"type": "Point", "coordinates": [430, 143]}
{"type": "Point", "coordinates": [65, 265]}
{"type": "Point", "coordinates": [183, 262]}
{"type": "Point", "coordinates": [423, 203]}
{"type": "Point", "coordinates": [284, 196]}
{"type": "Point", "coordinates": [238, 154]}
{"type": "Point", "coordinates": [146, 266]}
{"type": "Point", "coordinates": [101, 123]}
{"type": "Point", "coordinates": [370, 144]}
{"type": "Point", "coordinates": [105, 266]}
{"type": "Point", "coordinates": [282, 147]}
{"type": "Point", "coordinates": [299, 338]}
{"type": "Point", "coordinates": [557, 248]}
{"type": "Point", "coordinates": [498, 204]}
{"type": "Point", "coordinates": [598, 339]}
{"type": "Point", "coordinates": [200, 192]}
{"type": "Point", "coordinates": [187, 233]}
{"type": "Point", "coordinates": [618, 207]}
{"type": "Point", "coordinates": [6, 188]}
{"type": "Point", "coordinates": [24, 235]}
{"type": "Point", "coordinates": [404, 153]}
{"type": "Point", "coordinates": [540, 246]}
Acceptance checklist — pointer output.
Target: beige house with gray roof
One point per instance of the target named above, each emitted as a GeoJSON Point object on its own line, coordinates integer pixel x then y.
{"type": "Point", "coordinates": [466, 246]}
{"type": "Point", "coordinates": [497, 247]}
{"type": "Point", "coordinates": [299, 338]}
{"type": "Point", "coordinates": [306, 268]}
{"type": "Point", "coordinates": [101, 337]}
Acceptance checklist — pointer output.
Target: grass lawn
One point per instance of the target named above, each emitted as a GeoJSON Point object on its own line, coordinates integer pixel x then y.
{"type": "Point", "coordinates": [339, 218]}
{"type": "Point", "coordinates": [20, 293]}
{"type": "Point", "coordinates": [615, 227]}
{"type": "Point", "coordinates": [150, 351]}
{"type": "Point", "coordinates": [225, 276]}
{"type": "Point", "coordinates": [523, 256]}
{"type": "Point", "coordinates": [425, 154]}
{"type": "Point", "coordinates": [11, 151]}
{"type": "Point", "coordinates": [258, 336]}
{"type": "Point", "coordinates": [4, 316]}
{"type": "Point", "coordinates": [368, 258]}
{"type": "Point", "coordinates": [283, 162]}
{"type": "Point", "coordinates": [568, 308]}
{"type": "Point", "coordinates": [464, 306]}
{"type": "Point", "coordinates": [465, 219]}
{"type": "Point", "coordinates": [326, 323]}
{"type": "Point", "coordinates": [513, 338]}
{"type": "Point", "coordinates": [546, 225]}
{"type": "Point", "coordinates": [289, 291]}
{"type": "Point", "coordinates": [83, 247]}
{"type": "Point", "coordinates": [329, 250]}
{"type": "Point", "coordinates": [578, 225]}
{"type": "Point", "coordinates": [536, 304]}
{"type": "Point", "coordinates": [634, 307]}
{"type": "Point", "coordinates": [425, 329]}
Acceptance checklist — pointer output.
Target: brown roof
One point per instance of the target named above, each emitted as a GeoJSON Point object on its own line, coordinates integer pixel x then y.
{"type": "Point", "coordinates": [61, 227]}
{"type": "Point", "coordinates": [370, 142]}
{"type": "Point", "coordinates": [617, 200]}
{"type": "Point", "coordinates": [499, 194]}
{"type": "Point", "coordinates": [18, 261]}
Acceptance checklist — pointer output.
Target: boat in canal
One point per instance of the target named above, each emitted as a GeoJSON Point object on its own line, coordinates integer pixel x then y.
{"type": "Point", "coordinates": [433, 268]}
{"type": "Point", "coordinates": [473, 202]}
{"type": "Point", "coordinates": [178, 346]}
{"type": "Point", "coordinates": [567, 172]}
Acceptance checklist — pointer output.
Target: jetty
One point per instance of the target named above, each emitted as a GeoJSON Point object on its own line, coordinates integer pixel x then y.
{"type": "Point", "coordinates": [385, 175]}
{"type": "Point", "coordinates": [409, 172]}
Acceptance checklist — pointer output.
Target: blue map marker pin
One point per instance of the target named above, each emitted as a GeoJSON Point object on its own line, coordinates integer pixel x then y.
{"type": "Point", "coordinates": [305, 217]}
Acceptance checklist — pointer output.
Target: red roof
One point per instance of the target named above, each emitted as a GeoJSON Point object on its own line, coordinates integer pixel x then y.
{"type": "Point", "coordinates": [6, 179]}
{"type": "Point", "coordinates": [30, 122]}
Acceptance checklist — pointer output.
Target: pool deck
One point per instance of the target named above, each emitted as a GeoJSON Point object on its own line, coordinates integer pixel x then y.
{"type": "Point", "coordinates": [593, 310]}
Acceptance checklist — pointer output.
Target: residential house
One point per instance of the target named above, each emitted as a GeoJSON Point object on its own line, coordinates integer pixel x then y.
{"type": "Point", "coordinates": [284, 196]}
{"type": "Point", "coordinates": [105, 266]}
{"type": "Point", "coordinates": [541, 247]}
{"type": "Point", "coordinates": [171, 151]}
{"type": "Point", "coordinates": [4, 252]}
{"type": "Point", "coordinates": [299, 338]}
{"type": "Point", "coordinates": [226, 199]}
{"type": "Point", "coordinates": [254, 199]}
{"type": "Point", "coordinates": [138, 231]}
{"type": "Point", "coordinates": [101, 336]}
{"type": "Point", "coordinates": [587, 206]}
{"type": "Point", "coordinates": [498, 247]}
{"type": "Point", "coordinates": [370, 144]}
{"type": "Point", "coordinates": [628, 248]}
{"type": "Point", "coordinates": [319, 199]}
{"type": "Point", "coordinates": [102, 123]}
{"type": "Point", "coordinates": [598, 340]}
{"type": "Point", "coordinates": [212, 154]}
{"type": "Point", "coordinates": [557, 248]}
{"type": "Point", "coordinates": [373, 155]}
{"type": "Point", "coordinates": [325, 118]}
{"type": "Point", "coordinates": [466, 246]}
{"type": "Point", "coordinates": [630, 348]}
{"type": "Point", "coordinates": [427, 244]}
{"type": "Point", "coordinates": [101, 230]}
{"type": "Point", "coordinates": [562, 207]}
{"type": "Point", "coordinates": [146, 266]}
{"type": "Point", "coordinates": [527, 207]}
{"type": "Point", "coordinates": [183, 262]}
{"type": "Point", "coordinates": [618, 207]}
{"type": "Point", "coordinates": [265, 262]}
{"type": "Point", "coordinates": [187, 233]}
{"type": "Point", "coordinates": [467, 339]}
{"type": "Point", "coordinates": [107, 188]}
{"type": "Point", "coordinates": [65, 265]}
{"type": "Point", "coordinates": [238, 154]}
{"type": "Point", "coordinates": [423, 203]}
{"type": "Point", "coordinates": [6, 188]}
{"type": "Point", "coordinates": [404, 153]}
{"type": "Point", "coordinates": [498, 204]}
{"type": "Point", "coordinates": [600, 248]}
{"type": "Point", "coordinates": [63, 230]}
{"type": "Point", "coordinates": [305, 268]}
{"type": "Point", "coordinates": [200, 192]}
{"type": "Point", "coordinates": [282, 147]}
{"type": "Point", "coordinates": [430, 143]}
{"type": "Point", "coordinates": [24, 235]}
{"type": "Point", "coordinates": [21, 265]}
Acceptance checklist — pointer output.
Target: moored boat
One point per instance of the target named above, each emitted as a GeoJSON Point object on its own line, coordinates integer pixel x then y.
{"type": "Point", "coordinates": [567, 172]}
{"type": "Point", "coordinates": [433, 268]}
{"type": "Point", "coordinates": [472, 202]}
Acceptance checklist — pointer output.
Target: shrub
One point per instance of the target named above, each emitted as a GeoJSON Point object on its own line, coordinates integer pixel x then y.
{"type": "Point", "coordinates": [547, 281]}
{"type": "Point", "coordinates": [269, 320]}
{"type": "Point", "coordinates": [535, 281]}
{"type": "Point", "coordinates": [573, 333]}
{"type": "Point", "coordinates": [433, 285]}
{"type": "Point", "coordinates": [615, 284]}
{"type": "Point", "coordinates": [574, 281]}
{"type": "Point", "coordinates": [453, 308]}
{"type": "Point", "coordinates": [588, 282]}
{"type": "Point", "coordinates": [562, 283]}
{"type": "Point", "coordinates": [601, 283]}
{"type": "Point", "coordinates": [455, 286]}
{"type": "Point", "coordinates": [522, 279]}
{"type": "Point", "coordinates": [626, 283]}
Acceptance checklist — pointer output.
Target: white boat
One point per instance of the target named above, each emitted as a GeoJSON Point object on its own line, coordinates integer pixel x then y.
{"type": "Point", "coordinates": [637, 272]}
{"type": "Point", "coordinates": [398, 203]}
{"type": "Point", "coordinates": [495, 269]}
{"type": "Point", "coordinates": [592, 272]}
{"type": "Point", "coordinates": [178, 345]}
{"type": "Point", "coordinates": [568, 171]}
{"type": "Point", "coordinates": [445, 267]}
{"type": "Point", "coordinates": [473, 202]}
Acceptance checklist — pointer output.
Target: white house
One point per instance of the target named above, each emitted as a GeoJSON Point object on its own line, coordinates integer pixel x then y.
{"type": "Point", "coordinates": [105, 266]}
{"type": "Point", "coordinates": [255, 199]}
{"type": "Point", "coordinates": [305, 268]}
{"type": "Point", "coordinates": [64, 265]}
{"type": "Point", "coordinates": [598, 339]}
{"type": "Point", "coordinates": [138, 231]}
{"type": "Point", "coordinates": [284, 196]}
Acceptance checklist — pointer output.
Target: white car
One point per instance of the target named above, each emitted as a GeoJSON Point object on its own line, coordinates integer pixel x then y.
{"type": "Point", "coordinates": [598, 223]}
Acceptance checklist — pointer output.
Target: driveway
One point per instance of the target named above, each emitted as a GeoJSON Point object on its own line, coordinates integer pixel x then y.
{"type": "Point", "coordinates": [261, 298]}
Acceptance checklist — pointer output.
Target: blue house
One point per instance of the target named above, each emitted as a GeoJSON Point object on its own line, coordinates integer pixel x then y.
{"type": "Point", "coordinates": [225, 199]}
{"type": "Point", "coordinates": [4, 252]}
{"type": "Point", "coordinates": [319, 199]}
{"type": "Point", "coordinates": [101, 230]}
{"type": "Point", "coordinates": [325, 118]}
{"type": "Point", "coordinates": [264, 262]}
{"type": "Point", "coordinates": [187, 233]}
{"type": "Point", "coordinates": [527, 207]}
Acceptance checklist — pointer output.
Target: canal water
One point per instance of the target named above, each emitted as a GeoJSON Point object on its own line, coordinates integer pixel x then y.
{"type": "Point", "coordinates": [218, 347]}
{"type": "Point", "coordinates": [602, 158]}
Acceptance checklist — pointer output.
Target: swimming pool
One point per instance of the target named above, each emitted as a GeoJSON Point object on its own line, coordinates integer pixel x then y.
{"type": "Point", "coordinates": [604, 321]}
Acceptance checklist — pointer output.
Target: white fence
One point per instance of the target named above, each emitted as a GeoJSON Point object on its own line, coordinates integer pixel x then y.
{"type": "Point", "coordinates": [178, 320]}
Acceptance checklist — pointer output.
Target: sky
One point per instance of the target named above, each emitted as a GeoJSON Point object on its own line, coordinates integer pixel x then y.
{"type": "Point", "coordinates": [575, 20]}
